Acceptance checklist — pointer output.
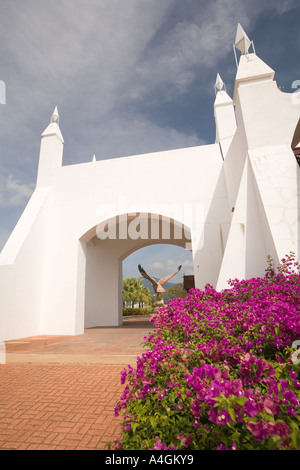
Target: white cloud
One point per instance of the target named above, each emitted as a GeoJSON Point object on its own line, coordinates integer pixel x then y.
{"type": "Point", "coordinates": [18, 193]}
{"type": "Point", "coordinates": [102, 62]}
{"type": "Point", "coordinates": [284, 6]}
{"type": "Point", "coordinates": [157, 266]}
{"type": "Point", "coordinates": [174, 264]}
{"type": "Point", "coordinates": [66, 49]}
{"type": "Point", "coordinates": [195, 44]}
{"type": "Point", "coordinates": [4, 235]}
{"type": "Point", "coordinates": [169, 265]}
{"type": "Point", "coordinates": [135, 134]}
{"type": "Point", "coordinates": [84, 60]}
{"type": "Point", "coordinates": [100, 59]}
{"type": "Point", "coordinates": [187, 265]}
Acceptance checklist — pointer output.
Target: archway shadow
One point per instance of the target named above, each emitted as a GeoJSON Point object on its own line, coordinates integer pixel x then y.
{"type": "Point", "coordinates": [130, 322]}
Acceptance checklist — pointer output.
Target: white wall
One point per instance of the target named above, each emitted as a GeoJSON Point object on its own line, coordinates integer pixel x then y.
{"type": "Point", "coordinates": [83, 195]}
{"type": "Point", "coordinates": [22, 271]}
{"type": "Point", "coordinates": [53, 269]}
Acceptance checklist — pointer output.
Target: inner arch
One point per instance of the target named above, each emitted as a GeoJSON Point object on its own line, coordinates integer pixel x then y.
{"type": "Point", "coordinates": [105, 251]}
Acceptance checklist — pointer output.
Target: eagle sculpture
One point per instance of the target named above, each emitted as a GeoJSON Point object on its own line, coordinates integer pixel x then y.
{"type": "Point", "coordinates": [157, 285]}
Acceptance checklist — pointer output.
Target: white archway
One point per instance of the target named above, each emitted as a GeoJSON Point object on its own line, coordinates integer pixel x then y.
{"type": "Point", "coordinates": [103, 251]}
{"type": "Point", "coordinates": [239, 197]}
{"type": "Point", "coordinates": [160, 260]}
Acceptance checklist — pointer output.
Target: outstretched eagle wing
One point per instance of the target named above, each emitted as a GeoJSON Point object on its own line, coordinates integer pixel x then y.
{"type": "Point", "coordinates": [146, 276]}
{"type": "Point", "coordinates": [166, 278]}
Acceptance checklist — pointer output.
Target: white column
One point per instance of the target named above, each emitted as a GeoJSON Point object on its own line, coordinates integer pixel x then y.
{"type": "Point", "coordinates": [51, 151]}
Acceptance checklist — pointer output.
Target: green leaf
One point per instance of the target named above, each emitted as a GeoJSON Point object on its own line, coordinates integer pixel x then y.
{"type": "Point", "coordinates": [218, 399]}
{"type": "Point", "coordinates": [134, 425]}
{"type": "Point", "coordinates": [153, 422]}
{"type": "Point", "coordinates": [232, 414]}
{"type": "Point", "coordinates": [274, 442]}
{"type": "Point", "coordinates": [235, 437]}
{"type": "Point", "coordinates": [241, 400]}
{"type": "Point", "coordinates": [295, 435]}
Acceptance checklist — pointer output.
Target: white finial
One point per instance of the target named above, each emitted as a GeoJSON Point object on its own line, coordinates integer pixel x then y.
{"type": "Point", "coordinates": [55, 116]}
{"type": "Point", "coordinates": [94, 158]}
{"type": "Point", "coordinates": [242, 42]}
{"type": "Point", "coordinates": [219, 83]}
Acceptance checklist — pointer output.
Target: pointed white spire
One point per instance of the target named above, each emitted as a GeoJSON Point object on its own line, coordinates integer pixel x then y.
{"type": "Point", "coordinates": [55, 116]}
{"type": "Point", "coordinates": [242, 42]}
{"type": "Point", "coordinates": [250, 66]}
{"type": "Point", "coordinates": [51, 151]}
{"type": "Point", "coordinates": [224, 117]}
{"type": "Point", "coordinates": [219, 85]}
{"type": "Point", "coordinates": [94, 158]}
{"type": "Point", "coordinates": [53, 127]}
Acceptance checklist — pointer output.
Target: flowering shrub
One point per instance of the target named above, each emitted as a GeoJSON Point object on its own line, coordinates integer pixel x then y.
{"type": "Point", "coordinates": [128, 311]}
{"type": "Point", "coordinates": [217, 372]}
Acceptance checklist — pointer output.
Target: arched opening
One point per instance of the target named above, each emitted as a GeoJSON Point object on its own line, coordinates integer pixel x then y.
{"type": "Point", "coordinates": [296, 143]}
{"type": "Point", "coordinates": [104, 249]}
{"type": "Point", "coordinates": [160, 260]}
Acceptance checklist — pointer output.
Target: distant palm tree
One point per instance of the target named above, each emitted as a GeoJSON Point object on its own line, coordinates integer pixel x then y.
{"type": "Point", "coordinates": [135, 292]}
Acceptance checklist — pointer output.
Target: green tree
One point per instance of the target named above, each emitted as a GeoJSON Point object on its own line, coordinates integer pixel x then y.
{"type": "Point", "coordinates": [175, 292]}
{"type": "Point", "coordinates": [143, 296]}
{"type": "Point", "coordinates": [134, 291]}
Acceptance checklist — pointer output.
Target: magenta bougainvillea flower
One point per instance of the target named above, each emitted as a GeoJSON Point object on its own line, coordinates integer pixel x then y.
{"type": "Point", "coordinates": [217, 372]}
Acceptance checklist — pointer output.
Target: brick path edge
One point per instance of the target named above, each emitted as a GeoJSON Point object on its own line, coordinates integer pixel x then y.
{"type": "Point", "coordinates": [59, 406]}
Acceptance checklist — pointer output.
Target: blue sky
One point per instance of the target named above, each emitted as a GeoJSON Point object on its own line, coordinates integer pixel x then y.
{"type": "Point", "coordinates": [128, 77]}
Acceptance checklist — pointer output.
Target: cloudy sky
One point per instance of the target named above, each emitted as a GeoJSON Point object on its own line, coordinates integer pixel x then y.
{"type": "Point", "coordinates": [128, 77]}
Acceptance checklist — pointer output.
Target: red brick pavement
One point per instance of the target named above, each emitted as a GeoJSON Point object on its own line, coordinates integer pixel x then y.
{"type": "Point", "coordinates": [58, 406]}
{"type": "Point", "coordinates": [59, 392]}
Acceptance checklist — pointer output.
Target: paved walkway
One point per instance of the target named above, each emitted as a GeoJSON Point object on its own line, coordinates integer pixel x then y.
{"type": "Point", "coordinates": [59, 392]}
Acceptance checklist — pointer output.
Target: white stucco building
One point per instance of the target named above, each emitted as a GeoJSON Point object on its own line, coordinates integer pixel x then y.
{"type": "Point", "coordinates": [232, 203]}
